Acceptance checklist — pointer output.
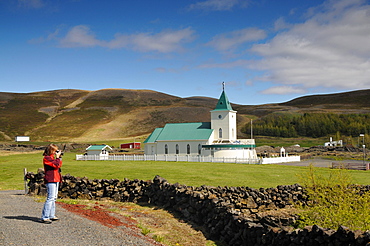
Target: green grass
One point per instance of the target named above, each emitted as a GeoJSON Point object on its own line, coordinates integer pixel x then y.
{"type": "Point", "coordinates": [188, 173]}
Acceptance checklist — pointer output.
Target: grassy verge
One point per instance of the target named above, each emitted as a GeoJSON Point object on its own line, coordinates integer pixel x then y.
{"type": "Point", "coordinates": [154, 222]}
{"type": "Point", "coordinates": [334, 201]}
{"type": "Point", "coordinates": [188, 173]}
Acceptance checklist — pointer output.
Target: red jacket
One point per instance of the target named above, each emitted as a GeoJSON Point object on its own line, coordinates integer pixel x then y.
{"type": "Point", "coordinates": [51, 169]}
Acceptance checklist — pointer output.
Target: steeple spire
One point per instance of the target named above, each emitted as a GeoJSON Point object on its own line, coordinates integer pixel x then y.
{"type": "Point", "coordinates": [223, 103]}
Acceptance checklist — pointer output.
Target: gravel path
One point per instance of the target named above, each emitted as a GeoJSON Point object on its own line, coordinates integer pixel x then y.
{"type": "Point", "coordinates": [19, 225]}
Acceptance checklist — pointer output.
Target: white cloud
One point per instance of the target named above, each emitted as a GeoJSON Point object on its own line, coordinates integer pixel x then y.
{"type": "Point", "coordinates": [330, 49]}
{"type": "Point", "coordinates": [284, 90]}
{"type": "Point", "coordinates": [281, 24]}
{"type": "Point", "coordinates": [235, 84]}
{"type": "Point", "coordinates": [163, 42]}
{"type": "Point", "coordinates": [171, 70]}
{"type": "Point", "coordinates": [231, 40]}
{"type": "Point", "coordinates": [218, 5]}
{"type": "Point", "coordinates": [80, 36]}
{"type": "Point", "coordinates": [51, 36]}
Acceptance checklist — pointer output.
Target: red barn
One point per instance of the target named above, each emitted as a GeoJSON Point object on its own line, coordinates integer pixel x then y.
{"type": "Point", "coordinates": [133, 145]}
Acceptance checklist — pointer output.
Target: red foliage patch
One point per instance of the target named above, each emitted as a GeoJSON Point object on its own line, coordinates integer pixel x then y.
{"type": "Point", "coordinates": [99, 214]}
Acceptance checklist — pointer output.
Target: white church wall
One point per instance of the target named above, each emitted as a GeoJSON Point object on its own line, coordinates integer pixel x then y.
{"type": "Point", "coordinates": [232, 126]}
{"type": "Point", "coordinates": [150, 148]}
{"type": "Point", "coordinates": [182, 147]}
{"type": "Point", "coordinates": [225, 120]}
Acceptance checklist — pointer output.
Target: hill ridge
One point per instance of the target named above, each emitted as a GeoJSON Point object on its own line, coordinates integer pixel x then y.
{"type": "Point", "coordinates": [71, 114]}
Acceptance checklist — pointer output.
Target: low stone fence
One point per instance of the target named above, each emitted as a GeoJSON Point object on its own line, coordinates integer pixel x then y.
{"type": "Point", "coordinates": [231, 215]}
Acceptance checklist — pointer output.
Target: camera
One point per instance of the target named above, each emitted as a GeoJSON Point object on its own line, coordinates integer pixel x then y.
{"type": "Point", "coordinates": [58, 151]}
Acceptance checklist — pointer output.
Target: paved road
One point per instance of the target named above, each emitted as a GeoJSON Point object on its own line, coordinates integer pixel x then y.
{"type": "Point", "coordinates": [19, 225]}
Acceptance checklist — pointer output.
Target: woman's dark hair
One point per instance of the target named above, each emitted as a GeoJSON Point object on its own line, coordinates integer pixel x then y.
{"type": "Point", "coordinates": [50, 149]}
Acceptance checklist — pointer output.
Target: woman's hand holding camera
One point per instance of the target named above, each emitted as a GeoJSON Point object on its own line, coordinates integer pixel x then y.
{"type": "Point", "coordinates": [58, 153]}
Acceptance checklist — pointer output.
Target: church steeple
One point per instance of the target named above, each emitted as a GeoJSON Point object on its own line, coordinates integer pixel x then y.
{"type": "Point", "coordinates": [223, 119]}
{"type": "Point", "coordinates": [223, 103]}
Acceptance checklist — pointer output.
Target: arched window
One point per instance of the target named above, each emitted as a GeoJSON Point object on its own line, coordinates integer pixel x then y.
{"type": "Point", "coordinates": [177, 149]}
{"type": "Point", "coordinates": [165, 149]}
{"type": "Point", "coordinates": [220, 133]}
{"type": "Point", "coordinates": [199, 149]}
{"type": "Point", "coordinates": [188, 149]}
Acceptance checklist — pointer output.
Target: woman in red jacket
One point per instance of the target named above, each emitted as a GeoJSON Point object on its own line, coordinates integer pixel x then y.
{"type": "Point", "coordinates": [52, 163]}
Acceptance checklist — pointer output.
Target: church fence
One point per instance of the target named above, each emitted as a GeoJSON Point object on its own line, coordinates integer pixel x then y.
{"type": "Point", "coordinates": [187, 158]}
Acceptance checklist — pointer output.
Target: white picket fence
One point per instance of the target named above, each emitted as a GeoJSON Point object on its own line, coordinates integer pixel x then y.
{"type": "Point", "coordinates": [187, 158]}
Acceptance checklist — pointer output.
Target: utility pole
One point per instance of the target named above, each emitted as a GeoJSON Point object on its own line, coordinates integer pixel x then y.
{"type": "Point", "coordinates": [251, 129]}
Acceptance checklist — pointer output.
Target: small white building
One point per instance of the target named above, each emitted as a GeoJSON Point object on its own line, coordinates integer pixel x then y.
{"type": "Point", "coordinates": [22, 139]}
{"type": "Point", "coordinates": [333, 143]}
{"type": "Point", "coordinates": [98, 150]}
{"type": "Point", "coordinates": [217, 138]}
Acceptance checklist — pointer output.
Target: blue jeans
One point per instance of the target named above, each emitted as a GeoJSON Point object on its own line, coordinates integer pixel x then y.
{"type": "Point", "coordinates": [49, 207]}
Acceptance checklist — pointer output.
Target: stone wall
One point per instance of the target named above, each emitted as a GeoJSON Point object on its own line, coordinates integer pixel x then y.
{"type": "Point", "coordinates": [231, 215]}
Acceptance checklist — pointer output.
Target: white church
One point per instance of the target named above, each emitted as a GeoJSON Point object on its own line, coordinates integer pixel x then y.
{"type": "Point", "coordinates": [217, 138]}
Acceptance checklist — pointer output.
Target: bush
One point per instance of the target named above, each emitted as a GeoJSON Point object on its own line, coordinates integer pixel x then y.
{"type": "Point", "coordinates": [334, 201]}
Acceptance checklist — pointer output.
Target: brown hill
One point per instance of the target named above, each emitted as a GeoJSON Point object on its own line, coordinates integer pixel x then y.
{"type": "Point", "coordinates": [354, 99]}
{"type": "Point", "coordinates": [79, 115]}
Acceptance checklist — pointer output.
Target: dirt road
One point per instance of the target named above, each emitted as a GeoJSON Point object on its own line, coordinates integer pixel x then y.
{"type": "Point", "coordinates": [19, 225]}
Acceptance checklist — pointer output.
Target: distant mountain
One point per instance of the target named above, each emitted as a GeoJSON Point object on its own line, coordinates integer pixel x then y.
{"type": "Point", "coordinates": [79, 115]}
{"type": "Point", "coordinates": [353, 99]}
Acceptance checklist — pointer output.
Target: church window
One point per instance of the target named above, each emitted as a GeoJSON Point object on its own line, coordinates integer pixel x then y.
{"type": "Point", "coordinates": [219, 116]}
{"type": "Point", "coordinates": [220, 133]}
{"type": "Point", "coordinates": [166, 149]}
{"type": "Point", "coordinates": [232, 133]}
{"type": "Point", "coordinates": [177, 149]}
{"type": "Point", "coordinates": [199, 149]}
{"type": "Point", "coordinates": [188, 149]}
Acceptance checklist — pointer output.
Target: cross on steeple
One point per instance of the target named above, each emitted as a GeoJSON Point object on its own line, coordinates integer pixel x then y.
{"type": "Point", "coordinates": [223, 86]}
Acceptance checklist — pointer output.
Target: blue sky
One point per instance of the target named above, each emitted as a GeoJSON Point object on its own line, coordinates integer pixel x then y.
{"type": "Point", "coordinates": [266, 51]}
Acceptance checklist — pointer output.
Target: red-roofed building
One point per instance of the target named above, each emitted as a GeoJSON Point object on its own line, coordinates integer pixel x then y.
{"type": "Point", "coordinates": [133, 145]}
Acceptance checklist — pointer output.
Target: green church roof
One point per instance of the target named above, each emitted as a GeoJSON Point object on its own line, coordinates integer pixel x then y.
{"type": "Point", "coordinates": [223, 103]}
{"type": "Point", "coordinates": [181, 131]}
{"type": "Point", "coordinates": [153, 136]}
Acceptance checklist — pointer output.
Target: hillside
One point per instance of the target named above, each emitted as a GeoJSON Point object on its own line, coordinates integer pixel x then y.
{"type": "Point", "coordinates": [79, 115]}
{"type": "Point", "coordinates": [356, 99]}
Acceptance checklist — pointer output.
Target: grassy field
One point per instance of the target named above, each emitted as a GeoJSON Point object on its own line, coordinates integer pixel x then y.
{"type": "Point", "coordinates": [188, 173]}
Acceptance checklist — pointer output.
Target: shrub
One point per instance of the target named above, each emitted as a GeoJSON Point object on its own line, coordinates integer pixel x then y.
{"type": "Point", "coordinates": [334, 201]}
